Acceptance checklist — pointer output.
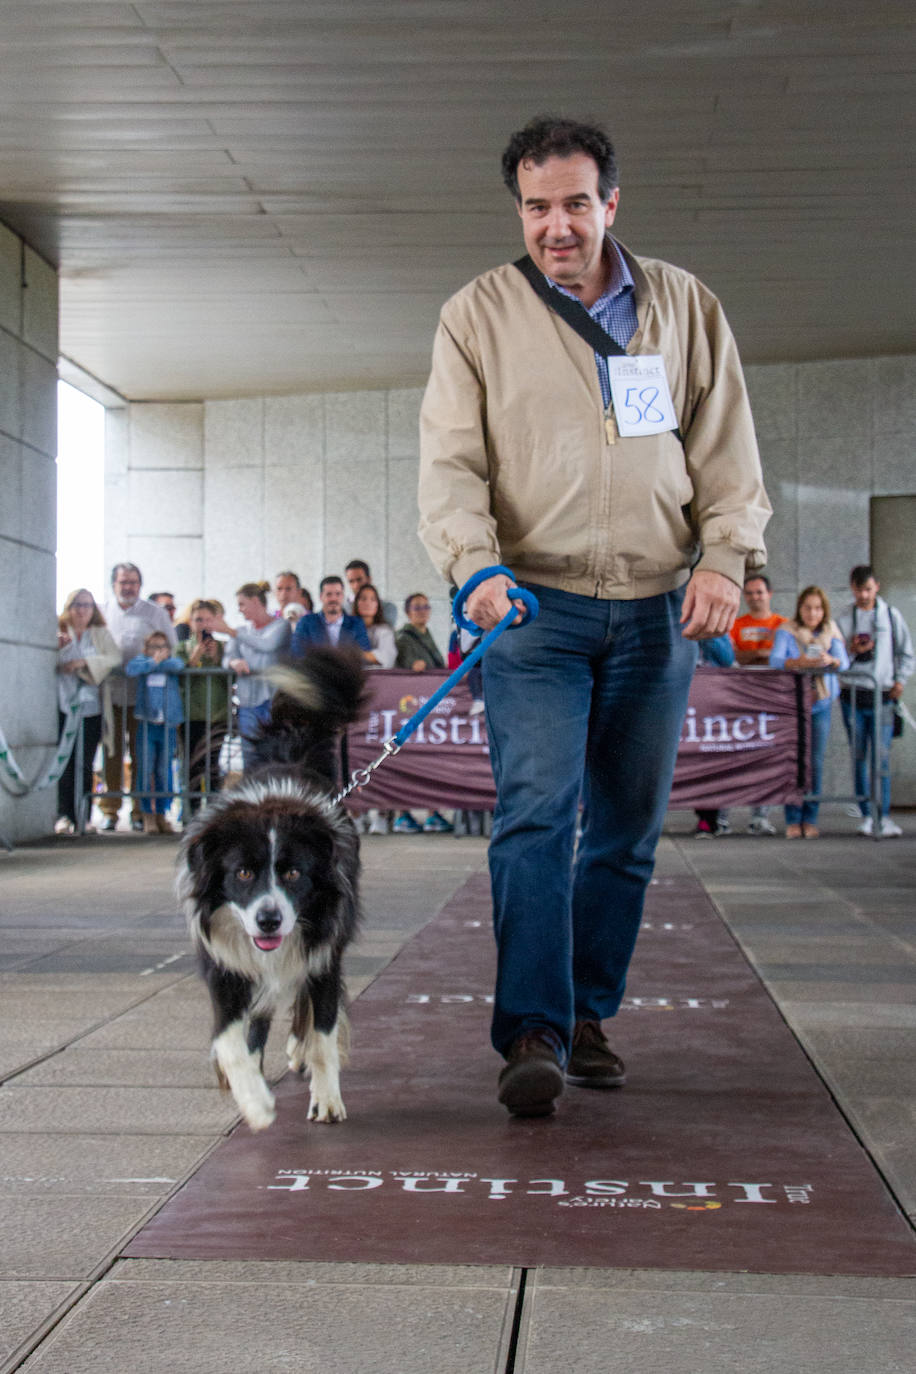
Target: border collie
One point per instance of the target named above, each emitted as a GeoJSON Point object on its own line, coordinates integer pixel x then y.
{"type": "Point", "coordinates": [267, 877]}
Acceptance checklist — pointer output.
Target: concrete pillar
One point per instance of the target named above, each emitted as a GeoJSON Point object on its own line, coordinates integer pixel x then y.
{"type": "Point", "coordinates": [28, 525]}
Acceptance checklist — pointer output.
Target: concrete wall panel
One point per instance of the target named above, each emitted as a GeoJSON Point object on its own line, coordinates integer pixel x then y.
{"type": "Point", "coordinates": [166, 436]}
{"type": "Point", "coordinates": [234, 433]}
{"type": "Point", "coordinates": [39, 306]}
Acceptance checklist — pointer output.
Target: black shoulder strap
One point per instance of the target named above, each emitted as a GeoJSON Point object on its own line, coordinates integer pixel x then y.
{"type": "Point", "coordinates": [575, 315]}
{"type": "Point", "coordinates": [890, 617]}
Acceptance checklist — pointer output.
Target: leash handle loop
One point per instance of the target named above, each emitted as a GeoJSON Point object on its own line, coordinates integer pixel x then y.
{"type": "Point", "coordinates": [361, 776]}
{"type": "Point", "coordinates": [513, 593]}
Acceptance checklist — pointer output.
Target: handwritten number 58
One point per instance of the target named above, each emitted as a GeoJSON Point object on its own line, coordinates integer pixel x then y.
{"type": "Point", "coordinates": [644, 405]}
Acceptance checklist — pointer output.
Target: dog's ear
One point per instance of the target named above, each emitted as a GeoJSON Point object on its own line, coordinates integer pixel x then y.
{"type": "Point", "coordinates": [195, 855]}
{"type": "Point", "coordinates": [202, 859]}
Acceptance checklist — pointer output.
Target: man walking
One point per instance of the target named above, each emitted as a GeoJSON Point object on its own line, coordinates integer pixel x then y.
{"type": "Point", "coordinates": [880, 647]}
{"type": "Point", "coordinates": [602, 470]}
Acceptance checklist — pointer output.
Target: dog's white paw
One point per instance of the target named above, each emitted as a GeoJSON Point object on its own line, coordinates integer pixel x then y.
{"type": "Point", "coordinates": [258, 1107]}
{"type": "Point", "coordinates": [295, 1053]}
{"type": "Point", "coordinates": [327, 1109]}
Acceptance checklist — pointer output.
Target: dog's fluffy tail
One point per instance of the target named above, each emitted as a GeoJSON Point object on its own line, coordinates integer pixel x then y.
{"type": "Point", "coordinates": [316, 698]}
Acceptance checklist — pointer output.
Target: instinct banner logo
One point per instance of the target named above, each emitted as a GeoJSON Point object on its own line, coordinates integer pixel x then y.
{"type": "Point", "coordinates": [640, 1195]}
{"type": "Point", "coordinates": [739, 742]}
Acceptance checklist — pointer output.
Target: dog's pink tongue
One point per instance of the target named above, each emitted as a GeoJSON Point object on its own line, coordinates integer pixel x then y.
{"type": "Point", "coordinates": [266, 942]}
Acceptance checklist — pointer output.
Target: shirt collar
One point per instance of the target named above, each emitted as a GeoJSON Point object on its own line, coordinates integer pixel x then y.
{"type": "Point", "coordinates": [621, 279]}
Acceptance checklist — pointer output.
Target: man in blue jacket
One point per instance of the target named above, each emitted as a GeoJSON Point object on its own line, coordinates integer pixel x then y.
{"type": "Point", "coordinates": [330, 625]}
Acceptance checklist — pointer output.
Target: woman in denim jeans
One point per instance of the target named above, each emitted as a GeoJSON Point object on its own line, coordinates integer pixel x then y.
{"type": "Point", "coordinates": [810, 643]}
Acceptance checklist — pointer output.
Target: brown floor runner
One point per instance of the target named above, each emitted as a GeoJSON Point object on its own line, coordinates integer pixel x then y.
{"type": "Point", "coordinates": [724, 1151]}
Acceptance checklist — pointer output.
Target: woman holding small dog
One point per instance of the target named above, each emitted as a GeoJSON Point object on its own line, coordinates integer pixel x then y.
{"type": "Point", "coordinates": [811, 643]}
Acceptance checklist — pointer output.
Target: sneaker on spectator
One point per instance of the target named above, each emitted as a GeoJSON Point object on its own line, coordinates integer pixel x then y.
{"type": "Point", "coordinates": [406, 825]}
{"type": "Point", "coordinates": [889, 828]}
{"type": "Point", "coordinates": [437, 825]}
{"type": "Point", "coordinates": [866, 827]}
{"type": "Point", "coordinates": [476, 708]}
{"type": "Point", "coordinates": [361, 824]}
{"type": "Point", "coordinates": [703, 831]}
{"type": "Point", "coordinates": [378, 824]}
{"type": "Point", "coordinates": [760, 825]}
{"type": "Point", "coordinates": [723, 826]}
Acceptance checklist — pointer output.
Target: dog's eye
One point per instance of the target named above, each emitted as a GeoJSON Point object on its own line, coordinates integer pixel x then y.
{"type": "Point", "coordinates": [290, 875]}
{"type": "Point", "coordinates": [244, 875]}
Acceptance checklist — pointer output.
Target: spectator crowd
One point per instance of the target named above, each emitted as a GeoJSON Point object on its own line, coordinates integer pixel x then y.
{"type": "Point", "coordinates": [157, 688]}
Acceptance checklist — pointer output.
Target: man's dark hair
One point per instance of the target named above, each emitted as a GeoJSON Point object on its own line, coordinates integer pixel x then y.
{"type": "Point", "coordinates": [409, 600]}
{"type": "Point", "coordinates": [125, 567]}
{"type": "Point", "coordinates": [358, 563]}
{"type": "Point", "coordinates": [157, 596]}
{"type": "Point", "coordinates": [759, 577]}
{"type": "Point", "coordinates": [288, 573]}
{"type": "Point", "coordinates": [549, 136]}
{"type": "Point", "coordinates": [861, 574]}
{"type": "Point", "coordinates": [326, 582]}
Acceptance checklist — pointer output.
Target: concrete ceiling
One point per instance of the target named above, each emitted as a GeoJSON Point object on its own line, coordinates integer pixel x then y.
{"type": "Point", "coordinates": [277, 196]}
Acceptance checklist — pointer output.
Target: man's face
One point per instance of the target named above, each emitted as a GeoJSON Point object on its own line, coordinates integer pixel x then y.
{"type": "Point", "coordinates": [126, 587]}
{"type": "Point", "coordinates": [356, 578]}
{"type": "Point", "coordinates": [418, 612]}
{"type": "Point", "coordinates": [757, 596]}
{"type": "Point", "coordinates": [286, 589]}
{"type": "Point", "coordinates": [332, 595]}
{"type": "Point", "coordinates": [865, 595]}
{"type": "Point", "coordinates": [564, 220]}
{"type": "Point", "coordinates": [168, 605]}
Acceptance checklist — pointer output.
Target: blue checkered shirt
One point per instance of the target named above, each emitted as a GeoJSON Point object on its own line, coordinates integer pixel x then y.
{"type": "Point", "coordinates": [615, 311]}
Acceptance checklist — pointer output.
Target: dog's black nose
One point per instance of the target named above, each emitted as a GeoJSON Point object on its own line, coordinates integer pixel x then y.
{"type": "Point", "coordinates": [268, 919]}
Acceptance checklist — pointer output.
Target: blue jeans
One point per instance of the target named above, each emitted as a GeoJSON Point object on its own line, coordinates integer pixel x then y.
{"type": "Point", "coordinates": [864, 735]}
{"type": "Point", "coordinates": [819, 721]}
{"type": "Point", "coordinates": [587, 701]}
{"type": "Point", "coordinates": [250, 718]}
{"type": "Point", "coordinates": [156, 749]}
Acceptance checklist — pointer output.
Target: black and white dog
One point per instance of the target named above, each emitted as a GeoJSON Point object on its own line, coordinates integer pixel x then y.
{"type": "Point", "coordinates": [268, 877]}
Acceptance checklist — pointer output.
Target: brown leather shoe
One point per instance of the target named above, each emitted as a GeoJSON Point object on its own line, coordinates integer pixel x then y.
{"type": "Point", "coordinates": [532, 1079]}
{"type": "Point", "coordinates": [592, 1063]}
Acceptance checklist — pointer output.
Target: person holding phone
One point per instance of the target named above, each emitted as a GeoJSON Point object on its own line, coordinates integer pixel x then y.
{"type": "Point", "coordinates": [811, 643]}
{"type": "Point", "coordinates": [203, 650]}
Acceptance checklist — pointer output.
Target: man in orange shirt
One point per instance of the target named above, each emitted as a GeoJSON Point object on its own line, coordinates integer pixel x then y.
{"type": "Point", "coordinates": [752, 636]}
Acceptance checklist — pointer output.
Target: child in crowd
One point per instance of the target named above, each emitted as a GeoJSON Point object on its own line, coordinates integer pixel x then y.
{"type": "Point", "coordinates": [158, 711]}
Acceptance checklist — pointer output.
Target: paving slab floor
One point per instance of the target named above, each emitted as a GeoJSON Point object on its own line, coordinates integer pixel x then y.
{"type": "Point", "coordinates": [107, 1106]}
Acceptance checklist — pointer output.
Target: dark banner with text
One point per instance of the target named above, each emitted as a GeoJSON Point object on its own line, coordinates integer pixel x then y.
{"type": "Point", "coordinates": [743, 737]}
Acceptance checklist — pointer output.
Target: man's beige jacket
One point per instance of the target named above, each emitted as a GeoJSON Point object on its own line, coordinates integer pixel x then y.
{"type": "Point", "coordinates": [520, 465]}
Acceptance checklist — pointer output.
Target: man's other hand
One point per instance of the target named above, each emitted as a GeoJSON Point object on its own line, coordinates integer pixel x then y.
{"type": "Point", "coordinates": [710, 605]}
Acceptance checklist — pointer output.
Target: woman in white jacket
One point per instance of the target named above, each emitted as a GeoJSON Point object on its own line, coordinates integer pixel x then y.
{"type": "Point", "coordinates": [86, 655]}
{"type": "Point", "coordinates": [368, 606]}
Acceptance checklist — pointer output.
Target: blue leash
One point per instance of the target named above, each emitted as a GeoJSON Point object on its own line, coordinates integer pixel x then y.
{"type": "Point", "coordinates": [361, 776]}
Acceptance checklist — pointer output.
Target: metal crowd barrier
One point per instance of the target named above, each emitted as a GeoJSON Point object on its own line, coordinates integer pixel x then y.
{"type": "Point", "coordinates": [217, 747]}
{"type": "Point", "coordinates": [864, 684]}
{"type": "Point", "coordinates": [207, 747]}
